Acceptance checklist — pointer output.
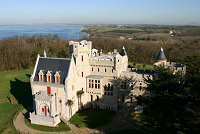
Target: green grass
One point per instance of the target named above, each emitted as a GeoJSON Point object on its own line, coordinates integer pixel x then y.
{"type": "Point", "coordinates": [141, 65]}
{"type": "Point", "coordinates": [194, 28]}
{"type": "Point", "coordinates": [59, 128]}
{"type": "Point", "coordinates": [15, 84]}
{"type": "Point", "coordinates": [92, 118]}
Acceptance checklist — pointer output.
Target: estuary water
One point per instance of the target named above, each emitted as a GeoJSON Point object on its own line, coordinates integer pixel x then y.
{"type": "Point", "coordinates": [64, 31]}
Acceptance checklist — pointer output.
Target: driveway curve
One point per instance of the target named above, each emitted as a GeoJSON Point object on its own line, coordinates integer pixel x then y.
{"type": "Point", "coordinates": [121, 121]}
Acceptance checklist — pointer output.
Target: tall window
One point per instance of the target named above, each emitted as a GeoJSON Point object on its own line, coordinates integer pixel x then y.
{"type": "Point", "coordinates": [105, 69]}
{"type": "Point", "coordinates": [48, 78]}
{"type": "Point", "coordinates": [48, 75]}
{"type": "Point", "coordinates": [112, 70]}
{"type": "Point", "coordinates": [92, 69]}
{"type": "Point", "coordinates": [98, 84]}
{"type": "Point", "coordinates": [82, 58]}
{"type": "Point", "coordinates": [91, 98]}
{"type": "Point", "coordinates": [40, 74]}
{"type": "Point", "coordinates": [138, 102]}
{"type": "Point", "coordinates": [97, 98]}
{"type": "Point", "coordinates": [82, 74]}
{"type": "Point", "coordinates": [90, 83]}
{"type": "Point", "coordinates": [41, 77]}
{"type": "Point", "coordinates": [123, 85]}
{"type": "Point", "coordinates": [48, 90]}
{"type": "Point", "coordinates": [122, 97]}
{"type": "Point", "coordinates": [131, 98]}
{"type": "Point", "coordinates": [98, 69]}
{"type": "Point", "coordinates": [56, 79]}
{"type": "Point", "coordinates": [94, 84]}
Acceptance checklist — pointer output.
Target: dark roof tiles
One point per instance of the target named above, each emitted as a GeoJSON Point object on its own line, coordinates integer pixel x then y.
{"type": "Point", "coordinates": [161, 55]}
{"type": "Point", "coordinates": [53, 64]}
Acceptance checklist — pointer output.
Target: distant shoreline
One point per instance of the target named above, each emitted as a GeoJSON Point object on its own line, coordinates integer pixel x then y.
{"type": "Point", "coordinates": [83, 28]}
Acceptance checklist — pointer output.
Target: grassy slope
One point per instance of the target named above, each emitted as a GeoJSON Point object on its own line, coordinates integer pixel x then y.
{"type": "Point", "coordinates": [10, 82]}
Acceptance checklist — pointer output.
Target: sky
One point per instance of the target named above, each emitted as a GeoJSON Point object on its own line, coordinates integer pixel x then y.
{"type": "Point", "coordinates": [163, 12]}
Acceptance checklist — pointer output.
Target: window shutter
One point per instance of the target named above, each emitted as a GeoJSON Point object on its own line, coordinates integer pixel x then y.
{"type": "Point", "coordinates": [48, 90]}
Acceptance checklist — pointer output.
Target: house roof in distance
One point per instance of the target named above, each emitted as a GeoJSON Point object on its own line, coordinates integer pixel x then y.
{"type": "Point", "coordinates": [53, 64]}
{"type": "Point", "coordinates": [161, 55]}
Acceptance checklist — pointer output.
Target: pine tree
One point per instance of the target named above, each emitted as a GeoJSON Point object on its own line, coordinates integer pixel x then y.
{"type": "Point", "coordinates": [166, 111]}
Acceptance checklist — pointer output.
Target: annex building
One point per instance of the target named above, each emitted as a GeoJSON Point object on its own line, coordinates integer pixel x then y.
{"type": "Point", "coordinates": [105, 79]}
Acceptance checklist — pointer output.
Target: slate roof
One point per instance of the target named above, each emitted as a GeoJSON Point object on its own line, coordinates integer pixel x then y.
{"type": "Point", "coordinates": [123, 52]}
{"type": "Point", "coordinates": [161, 55]}
{"type": "Point", "coordinates": [53, 64]}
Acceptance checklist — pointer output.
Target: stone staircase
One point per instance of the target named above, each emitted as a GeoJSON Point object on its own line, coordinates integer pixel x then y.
{"type": "Point", "coordinates": [67, 123]}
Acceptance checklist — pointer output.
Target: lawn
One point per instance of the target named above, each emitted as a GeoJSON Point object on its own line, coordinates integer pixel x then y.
{"type": "Point", "coordinates": [92, 118]}
{"type": "Point", "coordinates": [141, 65]}
{"type": "Point", "coordinates": [59, 128]}
{"type": "Point", "coordinates": [14, 86]}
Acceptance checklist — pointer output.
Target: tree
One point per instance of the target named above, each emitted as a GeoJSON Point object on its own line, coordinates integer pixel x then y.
{"type": "Point", "coordinates": [70, 103]}
{"type": "Point", "coordinates": [144, 65]}
{"type": "Point", "coordinates": [134, 64]}
{"type": "Point", "coordinates": [79, 94]}
{"type": "Point", "coordinates": [166, 112]}
{"type": "Point", "coordinates": [192, 76]}
{"type": "Point", "coordinates": [138, 66]}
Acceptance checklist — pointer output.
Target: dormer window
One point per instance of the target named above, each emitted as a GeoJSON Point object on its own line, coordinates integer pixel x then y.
{"type": "Point", "coordinates": [41, 74]}
{"type": "Point", "coordinates": [48, 76]}
{"type": "Point", "coordinates": [57, 77]}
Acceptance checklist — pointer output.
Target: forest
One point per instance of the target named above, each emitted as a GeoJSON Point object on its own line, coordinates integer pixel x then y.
{"type": "Point", "coordinates": [20, 52]}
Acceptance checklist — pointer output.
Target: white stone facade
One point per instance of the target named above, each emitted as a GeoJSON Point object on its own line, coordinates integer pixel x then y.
{"type": "Point", "coordinates": [105, 79]}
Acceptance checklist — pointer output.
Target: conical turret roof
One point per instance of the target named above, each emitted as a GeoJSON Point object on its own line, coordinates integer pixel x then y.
{"type": "Point", "coordinates": [161, 55]}
{"type": "Point", "coordinates": [123, 52]}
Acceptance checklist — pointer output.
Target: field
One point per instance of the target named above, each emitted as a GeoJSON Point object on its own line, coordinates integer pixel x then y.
{"type": "Point", "coordinates": [15, 93]}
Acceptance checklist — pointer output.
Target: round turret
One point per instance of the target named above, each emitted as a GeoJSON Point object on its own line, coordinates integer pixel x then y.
{"type": "Point", "coordinates": [161, 56]}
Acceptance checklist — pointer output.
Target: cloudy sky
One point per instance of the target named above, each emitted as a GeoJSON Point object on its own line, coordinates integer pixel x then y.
{"type": "Point", "coordinates": [167, 12]}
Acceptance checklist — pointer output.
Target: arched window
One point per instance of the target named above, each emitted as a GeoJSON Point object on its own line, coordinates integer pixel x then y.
{"type": "Point", "coordinates": [105, 69]}
{"type": "Point", "coordinates": [98, 69]}
{"type": "Point", "coordinates": [92, 68]}
{"type": "Point", "coordinates": [112, 70]}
